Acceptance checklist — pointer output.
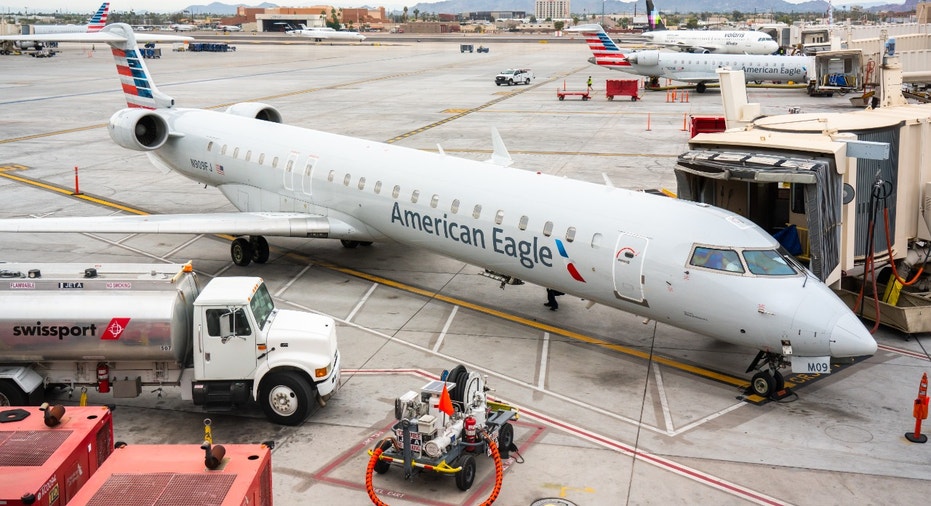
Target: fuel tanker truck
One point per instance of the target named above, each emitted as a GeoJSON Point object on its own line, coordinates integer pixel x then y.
{"type": "Point", "coordinates": [120, 327]}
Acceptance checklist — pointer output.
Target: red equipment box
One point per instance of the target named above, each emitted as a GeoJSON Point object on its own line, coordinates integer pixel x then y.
{"type": "Point", "coordinates": [623, 88]}
{"type": "Point", "coordinates": [47, 466]}
{"type": "Point", "coordinates": [707, 125]}
{"type": "Point", "coordinates": [144, 475]}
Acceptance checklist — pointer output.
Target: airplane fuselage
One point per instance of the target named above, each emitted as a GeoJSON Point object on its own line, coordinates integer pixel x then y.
{"type": "Point", "coordinates": [603, 244]}
{"type": "Point", "coordinates": [701, 67]}
{"type": "Point", "coordinates": [715, 41]}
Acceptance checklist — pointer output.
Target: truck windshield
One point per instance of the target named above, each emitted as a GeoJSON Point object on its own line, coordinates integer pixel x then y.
{"type": "Point", "coordinates": [262, 306]}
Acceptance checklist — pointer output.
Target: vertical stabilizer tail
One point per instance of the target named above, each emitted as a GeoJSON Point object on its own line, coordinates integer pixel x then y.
{"type": "Point", "coordinates": [605, 51]}
{"type": "Point", "coordinates": [654, 19]}
{"type": "Point", "coordinates": [138, 86]}
{"type": "Point", "coordinates": [99, 20]}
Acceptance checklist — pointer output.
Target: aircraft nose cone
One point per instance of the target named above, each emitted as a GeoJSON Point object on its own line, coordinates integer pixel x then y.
{"type": "Point", "coordinates": [851, 339]}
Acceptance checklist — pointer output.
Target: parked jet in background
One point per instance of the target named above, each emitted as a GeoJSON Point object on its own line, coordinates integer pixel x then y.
{"type": "Point", "coordinates": [178, 27]}
{"type": "Point", "coordinates": [707, 41]}
{"type": "Point", "coordinates": [229, 28]}
{"type": "Point", "coordinates": [692, 68]}
{"type": "Point", "coordinates": [657, 257]}
{"type": "Point", "coordinates": [325, 33]}
{"type": "Point", "coordinates": [96, 22]}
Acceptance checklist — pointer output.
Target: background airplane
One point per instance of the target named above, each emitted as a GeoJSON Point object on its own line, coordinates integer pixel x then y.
{"type": "Point", "coordinates": [325, 33]}
{"type": "Point", "coordinates": [229, 28]}
{"type": "Point", "coordinates": [95, 23]}
{"type": "Point", "coordinates": [180, 27]}
{"type": "Point", "coordinates": [707, 41]}
{"type": "Point", "coordinates": [692, 68]}
{"type": "Point", "coordinates": [657, 257]}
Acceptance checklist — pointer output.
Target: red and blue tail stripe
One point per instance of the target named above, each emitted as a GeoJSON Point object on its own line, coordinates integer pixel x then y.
{"type": "Point", "coordinates": [605, 50]}
{"type": "Point", "coordinates": [134, 76]}
{"type": "Point", "coordinates": [100, 18]}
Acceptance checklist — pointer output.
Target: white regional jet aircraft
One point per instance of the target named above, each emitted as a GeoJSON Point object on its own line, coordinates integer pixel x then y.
{"type": "Point", "coordinates": [708, 41]}
{"type": "Point", "coordinates": [692, 67]}
{"type": "Point", "coordinates": [322, 33]}
{"type": "Point", "coordinates": [95, 23]}
{"type": "Point", "coordinates": [682, 263]}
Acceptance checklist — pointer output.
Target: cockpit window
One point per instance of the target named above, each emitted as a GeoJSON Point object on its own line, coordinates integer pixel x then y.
{"type": "Point", "coordinates": [767, 263]}
{"type": "Point", "coordinates": [717, 259]}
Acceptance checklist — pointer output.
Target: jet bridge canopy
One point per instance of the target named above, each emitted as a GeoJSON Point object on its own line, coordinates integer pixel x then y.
{"type": "Point", "coordinates": [712, 176]}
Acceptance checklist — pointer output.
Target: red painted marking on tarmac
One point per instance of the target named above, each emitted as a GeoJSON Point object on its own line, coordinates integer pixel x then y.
{"type": "Point", "coordinates": [902, 351]}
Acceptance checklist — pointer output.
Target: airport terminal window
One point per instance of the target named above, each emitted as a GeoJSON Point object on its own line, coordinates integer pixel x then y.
{"type": "Point", "coordinates": [346, 179]}
{"type": "Point", "coordinates": [239, 324]}
{"type": "Point", "coordinates": [236, 153]}
{"type": "Point", "coordinates": [548, 228]}
{"type": "Point", "coordinates": [434, 201]}
{"type": "Point", "coordinates": [570, 234]}
{"type": "Point", "coordinates": [499, 217]}
{"type": "Point", "coordinates": [361, 183]}
{"type": "Point", "coordinates": [522, 224]}
{"type": "Point", "coordinates": [415, 196]}
{"type": "Point", "coordinates": [331, 176]}
{"type": "Point", "coordinates": [716, 259]}
{"type": "Point", "coordinates": [396, 191]}
{"type": "Point", "coordinates": [377, 187]}
{"type": "Point", "coordinates": [767, 263]}
{"type": "Point", "coordinates": [454, 207]}
{"type": "Point", "coordinates": [477, 211]}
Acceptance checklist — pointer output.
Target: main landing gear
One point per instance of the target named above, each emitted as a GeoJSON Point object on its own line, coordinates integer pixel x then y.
{"type": "Point", "coordinates": [245, 251]}
{"type": "Point", "coordinates": [768, 381]}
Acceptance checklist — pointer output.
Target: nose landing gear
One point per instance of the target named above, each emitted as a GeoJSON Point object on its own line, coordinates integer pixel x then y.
{"type": "Point", "coordinates": [768, 382]}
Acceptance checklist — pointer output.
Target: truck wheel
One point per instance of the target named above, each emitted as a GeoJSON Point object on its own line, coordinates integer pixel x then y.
{"type": "Point", "coordinates": [527, 82]}
{"type": "Point", "coordinates": [510, 82]}
{"type": "Point", "coordinates": [505, 440]}
{"type": "Point", "coordinates": [381, 467]}
{"type": "Point", "coordinates": [241, 252]}
{"type": "Point", "coordinates": [466, 476]}
{"type": "Point", "coordinates": [286, 398]}
{"type": "Point", "coordinates": [11, 395]}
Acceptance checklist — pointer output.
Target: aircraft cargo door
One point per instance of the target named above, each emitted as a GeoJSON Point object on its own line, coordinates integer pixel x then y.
{"type": "Point", "coordinates": [628, 267]}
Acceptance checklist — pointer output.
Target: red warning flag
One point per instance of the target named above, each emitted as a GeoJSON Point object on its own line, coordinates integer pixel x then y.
{"type": "Point", "coordinates": [446, 404]}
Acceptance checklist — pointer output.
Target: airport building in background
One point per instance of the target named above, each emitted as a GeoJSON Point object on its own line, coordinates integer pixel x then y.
{"type": "Point", "coordinates": [551, 9]}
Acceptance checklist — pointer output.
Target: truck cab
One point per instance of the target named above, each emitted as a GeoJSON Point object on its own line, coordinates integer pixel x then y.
{"type": "Point", "coordinates": [514, 76]}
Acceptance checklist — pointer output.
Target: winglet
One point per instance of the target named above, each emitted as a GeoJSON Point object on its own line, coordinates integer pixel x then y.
{"type": "Point", "coordinates": [138, 86]}
{"type": "Point", "coordinates": [500, 156]}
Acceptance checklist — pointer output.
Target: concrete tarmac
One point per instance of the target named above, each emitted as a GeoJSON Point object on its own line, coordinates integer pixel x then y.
{"type": "Point", "coordinates": [600, 424]}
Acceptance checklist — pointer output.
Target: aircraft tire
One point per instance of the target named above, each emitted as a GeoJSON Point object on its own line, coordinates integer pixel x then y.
{"type": "Point", "coordinates": [260, 252]}
{"type": "Point", "coordinates": [466, 476]}
{"type": "Point", "coordinates": [241, 252]}
{"type": "Point", "coordinates": [780, 381]}
{"type": "Point", "coordinates": [700, 88]}
{"type": "Point", "coordinates": [763, 384]}
{"type": "Point", "coordinates": [348, 244]}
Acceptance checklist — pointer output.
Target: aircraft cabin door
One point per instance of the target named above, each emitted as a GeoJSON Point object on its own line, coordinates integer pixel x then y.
{"type": "Point", "coordinates": [628, 267]}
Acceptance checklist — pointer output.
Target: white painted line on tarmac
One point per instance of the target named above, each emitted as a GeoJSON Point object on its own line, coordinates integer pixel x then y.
{"type": "Point", "coordinates": [449, 322]}
{"type": "Point", "coordinates": [361, 303]}
{"type": "Point", "coordinates": [183, 245]}
{"type": "Point", "coordinates": [544, 353]}
{"type": "Point", "coordinates": [664, 402]}
{"type": "Point", "coordinates": [292, 281]}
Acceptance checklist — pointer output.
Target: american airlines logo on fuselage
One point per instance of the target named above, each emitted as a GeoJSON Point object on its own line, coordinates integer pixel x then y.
{"type": "Point", "coordinates": [529, 253]}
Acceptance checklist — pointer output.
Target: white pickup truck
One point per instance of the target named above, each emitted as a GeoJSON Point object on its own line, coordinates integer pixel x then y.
{"type": "Point", "coordinates": [514, 76]}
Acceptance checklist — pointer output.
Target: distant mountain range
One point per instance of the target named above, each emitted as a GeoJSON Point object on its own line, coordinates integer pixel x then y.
{"type": "Point", "coordinates": [609, 6]}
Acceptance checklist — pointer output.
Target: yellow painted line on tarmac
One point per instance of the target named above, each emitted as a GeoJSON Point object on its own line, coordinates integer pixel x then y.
{"type": "Point", "coordinates": [51, 134]}
{"type": "Point", "coordinates": [626, 350]}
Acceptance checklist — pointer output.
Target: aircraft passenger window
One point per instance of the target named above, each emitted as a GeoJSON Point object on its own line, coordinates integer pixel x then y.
{"type": "Point", "coordinates": [435, 201]}
{"type": "Point", "coordinates": [377, 187]}
{"type": "Point", "coordinates": [717, 259]}
{"type": "Point", "coordinates": [396, 191]}
{"type": "Point", "coordinates": [346, 179]}
{"type": "Point", "coordinates": [767, 263]}
{"type": "Point", "coordinates": [275, 162]}
{"type": "Point", "coordinates": [570, 234]}
{"type": "Point", "coordinates": [415, 196]}
{"type": "Point", "coordinates": [248, 155]}
{"type": "Point", "coordinates": [548, 228]}
{"type": "Point", "coordinates": [499, 217]}
{"type": "Point", "coordinates": [477, 211]}
{"type": "Point", "coordinates": [236, 153]}
{"type": "Point", "coordinates": [597, 240]}
{"type": "Point", "coordinates": [223, 150]}
{"type": "Point", "coordinates": [522, 224]}
{"type": "Point", "coordinates": [288, 168]}
{"type": "Point", "coordinates": [361, 183]}
{"type": "Point", "coordinates": [331, 176]}
{"type": "Point", "coordinates": [210, 146]}
{"type": "Point", "coordinates": [261, 158]}
{"type": "Point", "coordinates": [454, 207]}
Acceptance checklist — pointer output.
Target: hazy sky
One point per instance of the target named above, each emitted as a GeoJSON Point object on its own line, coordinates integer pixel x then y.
{"type": "Point", "coordinates": [90, 6]}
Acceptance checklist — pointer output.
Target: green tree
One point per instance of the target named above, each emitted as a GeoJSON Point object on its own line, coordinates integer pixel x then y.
{"type": "Point", "coordinates": [334, 19]}
{"type": "Point", "coordinates": [416, 14]}
{"type": "Point", "coordinates": [558, 25]}
{"type": "Point", "coordinates": [691, 23]}
{"type": "Point", "coordinates": [404, 16]}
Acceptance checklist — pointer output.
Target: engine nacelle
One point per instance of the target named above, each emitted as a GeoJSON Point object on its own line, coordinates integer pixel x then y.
{"type": "Point", "coordinates": [138, 129]}
{"type": "Point", "coordinates": [645, 58]}
{"type": "Point", "coordinates": [255, 110]}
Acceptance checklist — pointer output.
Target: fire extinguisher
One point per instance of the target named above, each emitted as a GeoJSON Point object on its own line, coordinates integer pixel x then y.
{"type": "Point", "coordinates": [103, 377]}
{"type": "Point", "coordinates": [470, 433]}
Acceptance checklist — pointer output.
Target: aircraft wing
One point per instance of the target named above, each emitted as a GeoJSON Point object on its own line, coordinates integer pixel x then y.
{"type": "Point", "coordinates": [101, 36]}
{"type": "Point", "coordinates": [235, 223]}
